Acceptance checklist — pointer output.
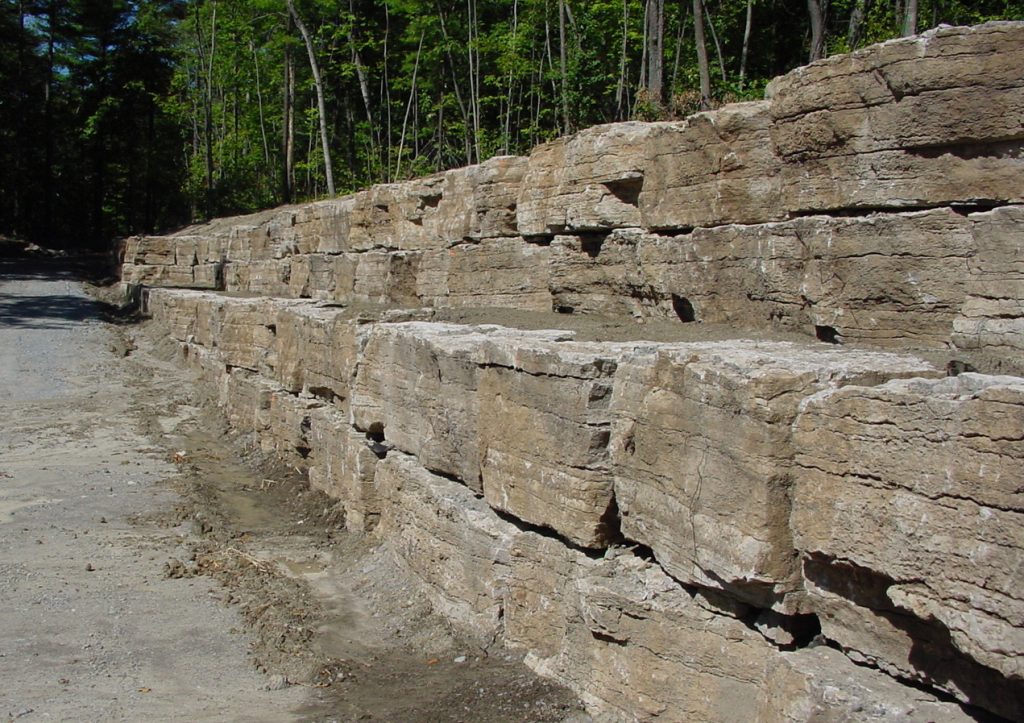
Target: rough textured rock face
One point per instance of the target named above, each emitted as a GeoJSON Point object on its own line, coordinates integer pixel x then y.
{"type": "Point", "coordinates": [703, 454]}
{"type": "Point", "coordinates": [765, 500]}
{"type": "Point", "coordinates": [913, 489]}
{"type": "Point", "coordinates": [913, 122]}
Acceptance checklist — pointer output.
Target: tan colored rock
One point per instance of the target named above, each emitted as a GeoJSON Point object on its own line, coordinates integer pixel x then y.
{"type": "Point", "coordinates": [587, 181]}
{"type": "Point", "coordinates": [317, 351]}
{"type": "Point", "coordinates": [479, 202]}
{"type": "Point", "coordinates": [544, 431]}
{"type": "Point", "coordinates": [343, 465]}
{"type": "Point", "coordinates": [634, 645]}
{"type": "Point", "coordinates": [502, 272]}
{"type": "Point", "coordinates": [820, 684]}
{"type": "Point", "coordinates": [991, 322]}
{"type": "Point", "coordinates": [324, 226]}
{"type": "Point", "coordinates": [600, 274]}
{"type": "Point", "coordinates": [416, 386]}
{"type": "Point", "coordinates": [393, 216]}
{"type": "Point", "coordinates": [713, 168]}
{"type": "Point", "coordinates": [703, 454]}
{"type": "Point", "coordinates": [918, 121]}
{"type": "Point", "coordinates": [908, 511]}
{"type": "Point", "coordinates": [447, 537]}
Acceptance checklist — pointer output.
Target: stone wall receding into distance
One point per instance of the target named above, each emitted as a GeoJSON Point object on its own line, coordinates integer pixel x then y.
{"type": "Point", "coordinates": [718, 419]}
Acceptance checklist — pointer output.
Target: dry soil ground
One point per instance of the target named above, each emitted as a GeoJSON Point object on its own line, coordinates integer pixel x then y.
{"type": "Point", "coordinates": [150, 571]}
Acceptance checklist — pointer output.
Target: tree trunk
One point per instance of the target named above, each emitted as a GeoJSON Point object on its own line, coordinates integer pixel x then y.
{"type": "Point", "coordinates": [910, 18]}
{"type": "Point", "coordinates": [816, 9]}
{"type": "Point", "coordinates": [655, 38]}
{"type": "Point", "coordinates": [856, 26]}
{"type": "Point", "coordinates": [621, 102]}
{"type": "Point", "coordinates": [288, 122]}
{"type": "Point", "coordinates": [563, 64]}
{"type": "Point", "coordinates": [744, 54]}
{"type": "Point", "coordinates": [702, 54]}
{"type": "Point", "coordinates": [315, 68]}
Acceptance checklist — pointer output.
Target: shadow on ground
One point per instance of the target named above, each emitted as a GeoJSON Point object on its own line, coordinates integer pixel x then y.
{"type": "Point", "coordinates": [57, 310]}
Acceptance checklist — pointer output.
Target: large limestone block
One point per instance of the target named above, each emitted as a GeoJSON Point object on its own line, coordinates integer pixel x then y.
{"type": "Point", "coordinates": [544, 430]}
{"type": "Point", "coordinates": [175, 311]}
{"type": "Point", "coordinates": [991, 322]}
{"type": "Point", "coordinates": [917, 121]}
{"type": "Point", "coordinates": [394, 215]}
{"type": "Point", "coordinates": [635, 645]}
{"type": "Point", "coordinates": [385, 277]}
{"type": "Point", "coordinates": [600, 274]}
{"type": "Point", "coordinates": [323, 227]}
{"type": "Point", "coordinates": [150, 250]}
{"type": "Point", "coordinates": [503, 272]}
{"type": "Point", "coordinates": [479, 202]}
{"type": "Point", "coordinates": [627, 639]}
{"type": "Point", "coordinates": [908, 511]}
{"type": "Point", "coordinates": [247, 334]}
{"type": "Point", "coordinates": [168, 275]}
{"type": "Point", "coordinates": [589, 181]}
{"type": "Point", "coordinates": [284, 425]}
{"type": "Point", "coordinates": [820, 684]}
{"type": "Point", "coordinates": [703, 454]}
{"type": "Point", "coordinates": [713, 168]}
{"type": "Point", "coordinates": [416, 389]}
{"type": "Point", "coordinates": [311, 276]}
{"type": "Point", "coordinates": [449, 538]}
{"type": "Point", "coordinates": [343, 465]}
{"type": "Point", "coordinates": [317, 350]}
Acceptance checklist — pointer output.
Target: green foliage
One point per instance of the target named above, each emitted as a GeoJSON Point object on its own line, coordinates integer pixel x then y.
{"type": "Point", "coordinates": [121, 116]}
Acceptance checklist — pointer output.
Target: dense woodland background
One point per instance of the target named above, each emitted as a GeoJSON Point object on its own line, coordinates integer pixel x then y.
{"type": "Point", "coordinates": [127, 116]}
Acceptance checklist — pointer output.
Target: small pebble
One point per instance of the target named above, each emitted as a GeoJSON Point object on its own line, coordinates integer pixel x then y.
{"type": "Point", "coordinates": [461, 659]}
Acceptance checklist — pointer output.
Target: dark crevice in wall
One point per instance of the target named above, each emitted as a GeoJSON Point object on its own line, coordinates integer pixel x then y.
{"type": "Point", "coordinates": [684, 309]}
{"type": "Point", "coordinates": [1008, 149]}
{"type": "Point", "coordinates": [539, 239]}
{"type": "Point", "coordinates": [828, 334]}
{"type": "Point", "coordinates": [547, 532]}
{"type": "Point", "coordinates": [591, 243]}
{"type": "Point", "coordinates": [627, 189]}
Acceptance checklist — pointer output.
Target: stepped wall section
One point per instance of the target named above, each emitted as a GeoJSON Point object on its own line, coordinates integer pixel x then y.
{"type": "Point", "coordinates": [719, 419]}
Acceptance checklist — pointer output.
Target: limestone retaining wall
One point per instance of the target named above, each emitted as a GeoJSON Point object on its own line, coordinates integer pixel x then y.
{"type": "Point", "coordinates": [743, 527]}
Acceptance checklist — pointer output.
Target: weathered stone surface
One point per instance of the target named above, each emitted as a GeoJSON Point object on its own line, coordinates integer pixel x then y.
{"type": "Point", "coordinates": [447, 537]}
{"type": "Point", "coordinates": [627, 639]}
{"type": "Point", "coordinates": [501, 272]}
{"type": "Point", "coordinates": [713, 168]}
{"type": "Point", "coordinates": [918, 121]}
{"type": "Point", "coordinates": [317, 351]}
{"type": "Point", "coordinates": [544, 431]}
{"type": "Point", "coordinates": [601, 274]}
{"type": "Point", "coordinates": [587, 181]}
{"type": "Point", "coordinates": [703, 453]}
{"type": "Point", "coordinates": [908, 510]}
{"type": "Point", "coordinates": [636, 646]}
{"type": "Point", "coordinates": [991, 322]}
{"type": "Point", "coordinates": [393, 215]}
{"type": "Point", "coordinates": [324, 226]}
{"type": "Point", "coordinates": [343, 464]}
{"type": "Point", "coordinates": [819, 684]}
{"type": "Point", "coordinates": [479, 202]}
{"type": "Point", "coordinates": [416, 387]}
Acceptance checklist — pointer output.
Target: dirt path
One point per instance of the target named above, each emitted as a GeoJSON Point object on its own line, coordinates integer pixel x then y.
{"type": "Point", "coordinates": [148, 571]}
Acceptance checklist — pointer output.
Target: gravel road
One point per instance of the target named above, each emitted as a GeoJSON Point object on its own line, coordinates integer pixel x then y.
{"type": "Point", "coordinates": [90, 627]}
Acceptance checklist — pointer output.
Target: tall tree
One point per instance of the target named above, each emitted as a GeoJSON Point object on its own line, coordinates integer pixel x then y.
{"type": "Point", "coordinates": [314, 67]}
{"type": "Point", "coordinates": [816, 10]}
{"type": "Point", "coordinates": [702, 54]}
